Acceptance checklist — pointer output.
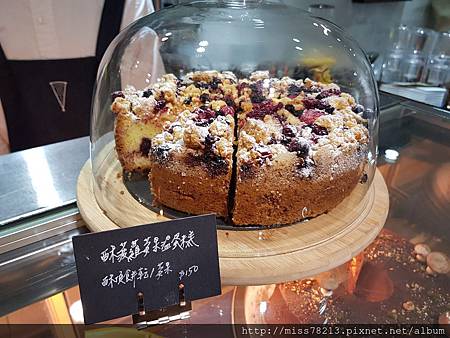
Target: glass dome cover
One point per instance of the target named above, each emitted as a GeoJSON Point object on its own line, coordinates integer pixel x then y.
{"type": "Point", "coordinates": [241, 37]}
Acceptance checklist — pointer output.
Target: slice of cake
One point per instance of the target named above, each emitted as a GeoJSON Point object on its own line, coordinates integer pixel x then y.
{"type": "Point", "coordinates": [192, 161]}
{"type": "Point", "coordinates": [141, 114]}
{"type": "Point", "coordinates": [301, 150]}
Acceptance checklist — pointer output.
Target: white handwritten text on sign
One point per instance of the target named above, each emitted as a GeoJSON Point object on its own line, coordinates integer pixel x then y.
{"type": "Point", "coordinates": [113, 266]}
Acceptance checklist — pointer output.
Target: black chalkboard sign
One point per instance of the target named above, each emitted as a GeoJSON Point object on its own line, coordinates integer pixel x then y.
{"type": "Point", "coordinates": [154, 259]}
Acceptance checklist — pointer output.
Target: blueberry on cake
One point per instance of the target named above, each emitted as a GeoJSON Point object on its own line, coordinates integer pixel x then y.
{"type": "Point", "coordinates": [258, 150]}
{"type": "Point", "coordinates": [301, 149]}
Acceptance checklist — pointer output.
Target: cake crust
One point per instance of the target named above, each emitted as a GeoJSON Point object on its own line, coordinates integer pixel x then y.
{"type": "Point", "coordinates": [280, 194]}
{"type": "Point", "coordinates": [172, 183]}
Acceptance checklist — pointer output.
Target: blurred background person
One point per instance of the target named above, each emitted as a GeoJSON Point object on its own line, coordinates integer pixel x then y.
{"type": "Point", "coordinates": [49, 54]}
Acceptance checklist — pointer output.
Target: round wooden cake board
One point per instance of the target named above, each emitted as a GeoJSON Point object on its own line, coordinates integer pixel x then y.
{"type": "Point", "coordinates": [252, 257]}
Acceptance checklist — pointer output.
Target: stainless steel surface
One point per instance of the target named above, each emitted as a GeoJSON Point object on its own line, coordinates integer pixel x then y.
{"type": "Point", "coordinates": [39, 228]}
{"type": "Point", "coordinates": [39, 179]}
{"type": "Point", "coordinates": [37, 271]}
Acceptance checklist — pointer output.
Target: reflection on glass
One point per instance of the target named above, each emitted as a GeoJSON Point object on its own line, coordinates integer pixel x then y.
{"type": "Point", "coordinates": [324, 11]}
{"type": "Point", "coordinates": [41, 178]}
{"type": "Point", "coordinates": [391, 155]}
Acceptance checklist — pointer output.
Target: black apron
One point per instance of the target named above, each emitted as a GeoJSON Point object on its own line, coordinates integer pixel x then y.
{"type": "Point", "coordinates": [47, 101]}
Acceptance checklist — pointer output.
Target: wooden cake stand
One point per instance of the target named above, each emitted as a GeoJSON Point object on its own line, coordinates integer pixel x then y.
{"type": "Point", "coordinates": [250, 257]}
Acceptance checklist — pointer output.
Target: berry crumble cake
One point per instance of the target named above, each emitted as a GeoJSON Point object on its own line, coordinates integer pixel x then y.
{"type": "Point", "coordinates": [258, 151]}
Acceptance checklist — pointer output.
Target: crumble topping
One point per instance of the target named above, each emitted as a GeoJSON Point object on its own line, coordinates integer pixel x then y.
{"type": "Point", "coordinates": [165, 99]}
{"type": "Point", "coordinates": [306, 118]}
{"type": "Point", "coordinates": [221, 126]}
{"type": "Point", "coordinates": [259, 75]}
{"type": "Point", "coordinates": [194, 136]}
{"type": "Point", "coordinates": [205, 139]}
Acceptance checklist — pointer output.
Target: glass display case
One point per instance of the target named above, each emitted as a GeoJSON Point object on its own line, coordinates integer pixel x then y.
{"type": "Point", "coordinates": [414, 153]}
{"type": "Point", "coordinates": [241, 37]}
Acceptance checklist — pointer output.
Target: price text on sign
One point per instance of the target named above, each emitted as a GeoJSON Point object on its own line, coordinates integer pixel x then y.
{"type": "Point", "coordinates": [114, 266]}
